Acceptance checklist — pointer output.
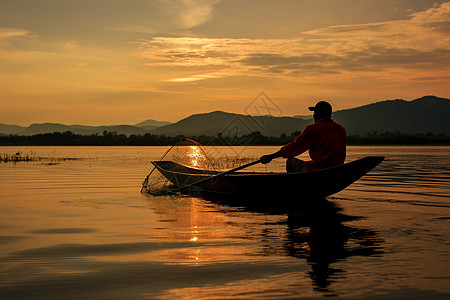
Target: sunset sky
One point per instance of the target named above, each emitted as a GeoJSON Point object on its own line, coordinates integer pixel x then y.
{"type": "Point", "coordinates": [102, 62]}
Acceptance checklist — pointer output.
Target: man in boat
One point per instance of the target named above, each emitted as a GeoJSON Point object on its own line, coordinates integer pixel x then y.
{"type": "Point", "coordinates": [325, 140]}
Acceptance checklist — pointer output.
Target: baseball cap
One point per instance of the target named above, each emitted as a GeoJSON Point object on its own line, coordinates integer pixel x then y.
{"type": "Point", "coordinates": [322, 108]}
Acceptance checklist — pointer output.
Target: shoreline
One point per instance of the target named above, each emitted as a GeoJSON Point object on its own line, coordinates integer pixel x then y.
{"type": "Point", "coordinates": [254, 139]}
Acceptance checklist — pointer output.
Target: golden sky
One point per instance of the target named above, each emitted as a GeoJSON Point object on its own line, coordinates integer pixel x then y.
{"type": "Point", "coordinates": [102, 62]}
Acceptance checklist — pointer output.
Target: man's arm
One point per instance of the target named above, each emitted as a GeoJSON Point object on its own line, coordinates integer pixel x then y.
{"type": "Point", "coordinates": [301, 143]}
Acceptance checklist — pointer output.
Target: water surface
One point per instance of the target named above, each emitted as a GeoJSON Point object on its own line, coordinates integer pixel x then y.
{"type": "Point", "coordinates": [72, 229]}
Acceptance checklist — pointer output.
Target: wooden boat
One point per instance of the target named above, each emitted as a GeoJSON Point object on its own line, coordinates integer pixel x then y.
{"type": "Point", "coordinates": [317, 184]}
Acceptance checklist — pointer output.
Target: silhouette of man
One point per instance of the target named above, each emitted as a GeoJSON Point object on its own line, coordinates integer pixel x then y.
{"type": "Point", "coordinates": [325, 140]}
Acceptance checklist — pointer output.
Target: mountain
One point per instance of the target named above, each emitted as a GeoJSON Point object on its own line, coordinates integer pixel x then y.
{"type": "Point", "coordinates": [11, 129]}
{"type": "Point", "coordinates": [77, 129]}
{"type": "Point", "coordinates": [120, 129]}
{"type": "Point", "coordinates": [198, 124]}
{"type": "Point", "coordinates": [423, 115]}
{"type": "Point", "coordinates": [308, 117]}
{"type": "Point", "coordinates": [229, 124]}
{"type": "Point", "coordinates": [151, 124]}
{"type": "Point", "coordinates": [80, 129]}
{"type": "Point", "coordinates": [426, 114]}
{"type": "Point", "coordinates": [44, 128]}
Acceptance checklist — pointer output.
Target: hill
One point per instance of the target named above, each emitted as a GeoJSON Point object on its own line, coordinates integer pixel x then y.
{"type": "Point", "coordinates": [151, 124]}
{"type": "Point", "coordinates": [80, 129]}
{"type": "Point", "coordinates": [423, 115]}
{"type": "Point", "coordinates": [49, 127]}
{"type": "Point", "coordinates": [77, 129]}
{"type": "Point", "coordinates": [229, 124]}
{"type": "Point", "coordinates": [428, 114]}
{"type": "Point", "coordinates": [11, 129]}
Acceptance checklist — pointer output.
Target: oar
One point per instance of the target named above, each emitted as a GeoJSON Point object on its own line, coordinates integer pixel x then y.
{"type": "Point", "coordinates": [218, 175]}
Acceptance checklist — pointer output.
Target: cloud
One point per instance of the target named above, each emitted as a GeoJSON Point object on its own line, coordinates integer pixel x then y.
{"type": "Point", "coordinates": [163, 17]}
{"type": "Point", "coordinates": [196, 12]}
{"type": "Point", "coordinates": [424, 30]}
{"type": "Point", "coordinates": [12, 32]}
{"type": "Point", "coordinates": [8, 33]}
{"type": "Point", "coordinates": [287, 62]}
{"type": "Point", "coordinates": [198, 77]}
{"type": "Point", "coordinates": [405, 58]}
{"type": "Point", "coordinates": [418, 43]}
{"type": "Point", "coordinates": [208, 52]}
{"type": "Point", "coordinates": [187, 14]}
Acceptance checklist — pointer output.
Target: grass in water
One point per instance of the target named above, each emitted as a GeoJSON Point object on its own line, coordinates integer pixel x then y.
{"type": "Point", "coordinates": [18, 157]}
{"type": "Point", "coordinates": [28, 157]}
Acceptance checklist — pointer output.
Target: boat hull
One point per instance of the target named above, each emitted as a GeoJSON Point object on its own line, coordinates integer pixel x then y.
{"type": "Point", "coordinates": [320, 183]}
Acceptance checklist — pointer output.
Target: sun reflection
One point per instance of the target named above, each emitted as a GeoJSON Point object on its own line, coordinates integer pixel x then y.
{"type": "Point", "coordinates": [194, 233]}
{"type": "Point", "coordinates": [195, 156]}
{"type": "Point", "coordinates": [195, 239]}
{"type": "Point", "coordinates": [197, 252]}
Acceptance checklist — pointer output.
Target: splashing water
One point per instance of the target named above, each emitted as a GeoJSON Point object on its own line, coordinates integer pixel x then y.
{"type": "Point", "coordinates": [191, 154]}
{"type": "Point", "coordinates": [186, 152]}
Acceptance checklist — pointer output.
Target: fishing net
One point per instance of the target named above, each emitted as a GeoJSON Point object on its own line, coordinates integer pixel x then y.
{"type": "Point", "coordinates": [191, 154]}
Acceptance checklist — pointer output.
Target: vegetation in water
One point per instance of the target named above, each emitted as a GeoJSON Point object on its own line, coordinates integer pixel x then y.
{"type": "Point", "coordinates": [18, 157]}
{"type": "Point", "coordinates": [32, 156]}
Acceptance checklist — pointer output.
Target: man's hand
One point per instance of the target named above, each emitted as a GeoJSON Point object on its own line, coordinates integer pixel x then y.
{"type": "Point", "coordinates": [265, 159]}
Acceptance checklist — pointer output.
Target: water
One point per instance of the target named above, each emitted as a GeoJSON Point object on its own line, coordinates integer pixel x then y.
{"type": "Point", "coordinates": [80, 229]}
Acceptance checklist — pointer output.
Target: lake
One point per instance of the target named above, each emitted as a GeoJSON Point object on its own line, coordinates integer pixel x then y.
{"type": "Point", "coordinates": [79, 228]}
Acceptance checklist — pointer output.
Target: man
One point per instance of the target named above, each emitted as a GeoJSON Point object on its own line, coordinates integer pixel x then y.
{"type": "Point", "coordinates": [325, 140]}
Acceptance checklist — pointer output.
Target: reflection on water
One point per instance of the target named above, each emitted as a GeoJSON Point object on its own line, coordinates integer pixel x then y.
{"type": "Point", "coordinates": [328, 241]}
{"type": "Point", "coordinates": [314, 231]}
{"type": "Point", "coordinates": [418, 176]}
{"type": "Point", "coordinates": [81, 230]}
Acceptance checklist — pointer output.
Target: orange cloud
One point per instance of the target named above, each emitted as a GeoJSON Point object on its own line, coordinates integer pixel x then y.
{"type": "Point", "coordinates": [6, 34]}
{"type": "Point", "coordinates": [72, 73]}
{"type": "Point", "coordinates": [12, 32]}
{"type": "Point", "coordinates": [420, 43]}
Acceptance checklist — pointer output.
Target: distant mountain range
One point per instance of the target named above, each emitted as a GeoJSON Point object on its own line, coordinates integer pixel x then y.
{"type": "Point", "coordinates": [423, 115]}
{"type": "Point", "coordinates": [140, 128]}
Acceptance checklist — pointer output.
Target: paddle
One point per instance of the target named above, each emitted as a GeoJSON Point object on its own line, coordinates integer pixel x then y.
{"type": "Point", "coordinates": [218, 175]}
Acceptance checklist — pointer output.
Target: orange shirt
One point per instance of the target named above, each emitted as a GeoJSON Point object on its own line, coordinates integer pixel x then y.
{"type": "Point", "coordinates": [326, 142]}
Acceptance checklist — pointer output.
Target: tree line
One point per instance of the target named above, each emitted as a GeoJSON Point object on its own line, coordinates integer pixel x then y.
{"type": "Point", "coordinates": [255, 138]}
